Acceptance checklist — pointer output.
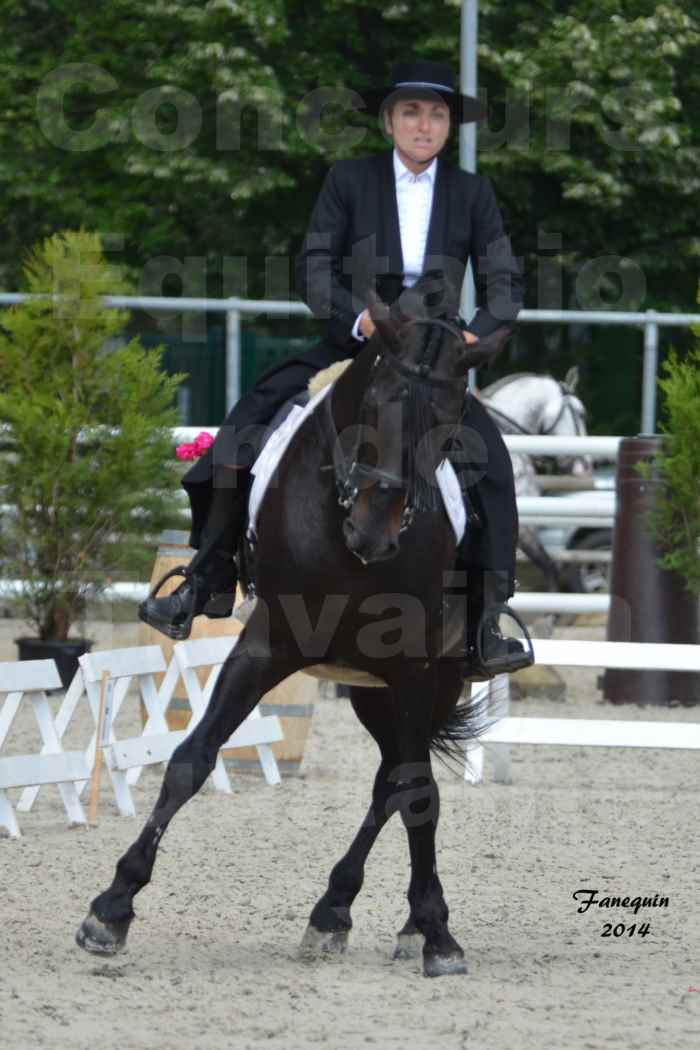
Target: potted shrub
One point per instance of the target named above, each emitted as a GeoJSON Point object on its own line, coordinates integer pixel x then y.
{"type": "Point", "coordinates": [85, 470]}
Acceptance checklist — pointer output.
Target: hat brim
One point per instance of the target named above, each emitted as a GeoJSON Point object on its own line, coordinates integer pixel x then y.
{"type": "Point", "coordinates": [464, 109]}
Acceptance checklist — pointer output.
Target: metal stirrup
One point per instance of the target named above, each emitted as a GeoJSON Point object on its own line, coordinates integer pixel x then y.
{"type": "Point", "coordinates": [502, 609]}
{"type": "Point", "coordinates": [181, 630]}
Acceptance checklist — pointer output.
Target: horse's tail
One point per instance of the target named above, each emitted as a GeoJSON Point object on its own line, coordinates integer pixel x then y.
{"type": "Point", "coordinates": [466, 722]}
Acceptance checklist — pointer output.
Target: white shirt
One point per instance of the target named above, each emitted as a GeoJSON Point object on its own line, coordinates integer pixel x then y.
{"type": "Point", "coordinates": [414, 197]}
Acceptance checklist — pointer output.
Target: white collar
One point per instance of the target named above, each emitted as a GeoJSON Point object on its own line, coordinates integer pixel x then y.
{"type": "Point", "coordinates": [401, 171]}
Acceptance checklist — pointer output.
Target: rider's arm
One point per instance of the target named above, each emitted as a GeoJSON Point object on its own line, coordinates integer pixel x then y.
{"type": "Point", "coordinates": [318, 266]}
{"type": "Point", "coordinates": [497, 273]}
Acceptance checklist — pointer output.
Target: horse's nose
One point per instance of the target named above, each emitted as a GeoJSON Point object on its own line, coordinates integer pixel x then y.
{"type": "Point", "coordinates": [359, 543]}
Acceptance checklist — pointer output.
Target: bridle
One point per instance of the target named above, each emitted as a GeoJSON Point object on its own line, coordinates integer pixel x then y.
{"type": "Point", "coordinates": [566, 405]}
{"type": "Point", "coordinates": [347, 470]}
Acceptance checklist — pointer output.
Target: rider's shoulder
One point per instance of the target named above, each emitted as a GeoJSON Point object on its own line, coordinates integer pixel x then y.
{"type": "Point", "coordinates": [469, 180]}
{"type": "Point", "coordinates": [350, 167]}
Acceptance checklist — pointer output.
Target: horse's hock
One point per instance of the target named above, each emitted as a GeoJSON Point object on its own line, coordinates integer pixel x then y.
{"type": "Point", "coordinates": [292, 701]}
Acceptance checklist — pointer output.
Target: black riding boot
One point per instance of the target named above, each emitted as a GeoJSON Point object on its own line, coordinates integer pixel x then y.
{"type": "Point", "coordinates": [210, 580]}
{"type": "Point", "coordinates": [488, 652]}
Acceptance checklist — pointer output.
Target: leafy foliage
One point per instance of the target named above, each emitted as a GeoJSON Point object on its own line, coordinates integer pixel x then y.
{"type": "Point", "coordinates": [83, 504]}
{"type": "Point", "coordinates": [600, 104]}
{"type": "Point", "coordinates": [676, 522]}
{"type": "Point", "coordinates": [593, 144]}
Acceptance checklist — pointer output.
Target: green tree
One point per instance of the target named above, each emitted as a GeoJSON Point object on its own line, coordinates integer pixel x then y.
{"type": "Point", "coordinates": [618, 173]}
{"type": "Point", "coordinates": [592, 140]}
{"type": "Point", "coordinates": [83, 505]}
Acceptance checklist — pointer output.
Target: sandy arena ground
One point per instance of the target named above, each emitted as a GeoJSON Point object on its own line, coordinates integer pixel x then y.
{"type": "Point", "coordinates": [212, 958]}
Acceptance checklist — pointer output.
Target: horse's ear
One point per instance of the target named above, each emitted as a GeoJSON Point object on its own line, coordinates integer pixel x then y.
{"type": "Point", "coordinates": [571, 379]}
{"type": "Point", "coordinates": [383, 320]}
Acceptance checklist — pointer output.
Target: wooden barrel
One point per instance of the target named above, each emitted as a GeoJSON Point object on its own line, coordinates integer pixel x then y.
{"type": "Point", "coordinates": [292, 701]}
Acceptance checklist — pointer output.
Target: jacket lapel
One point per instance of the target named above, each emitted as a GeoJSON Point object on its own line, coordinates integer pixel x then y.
{"type": "Point", "coordinates": [436, 243]}
{"type": "Point", "coordinates": [391, 233]}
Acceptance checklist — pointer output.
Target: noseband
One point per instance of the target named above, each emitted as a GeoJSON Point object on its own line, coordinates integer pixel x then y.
{"type": "Point", "coordinates": [347, 471]}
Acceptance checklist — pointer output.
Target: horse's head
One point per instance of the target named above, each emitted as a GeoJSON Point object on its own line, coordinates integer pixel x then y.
{"type": "Point", "coordinates": [412, 403]}
{"type": "Point", "coordinates": [565, 416]}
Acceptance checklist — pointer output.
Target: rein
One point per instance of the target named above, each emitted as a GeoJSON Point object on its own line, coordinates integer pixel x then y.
{"type": "Point", "coordinates": [420, 494]}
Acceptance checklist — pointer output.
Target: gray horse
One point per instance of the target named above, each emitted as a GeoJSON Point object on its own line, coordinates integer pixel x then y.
{"type": "Point", "coordinates": [525, 403]}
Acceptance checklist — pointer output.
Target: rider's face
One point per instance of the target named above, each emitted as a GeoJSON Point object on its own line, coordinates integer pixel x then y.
{"type": "Point", "coordinates": [419, 129]}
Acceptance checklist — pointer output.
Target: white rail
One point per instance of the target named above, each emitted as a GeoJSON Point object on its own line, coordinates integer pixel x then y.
{"type": "Point", "coordinates": [523, 601]}
{"type": "Point", "coordinates": [577, 732]}
{"type": "Point", "coordinates": [604, 447]}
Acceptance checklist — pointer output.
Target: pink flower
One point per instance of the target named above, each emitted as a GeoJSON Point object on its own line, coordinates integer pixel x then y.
{"type": "Point", "coordinates": [202, 442]}
{"type": "Point", "coordinates": [196, 448]}
{"type": "Point", "coordinates": [186, 451]}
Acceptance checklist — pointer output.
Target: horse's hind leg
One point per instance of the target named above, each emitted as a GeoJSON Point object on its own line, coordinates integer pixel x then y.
{"type": "Point", "coordinates": [244, 678]}
{"type": "Point", "coordinates": [409, 941]}
{"type": "Point", "coordinates": [417, 798]}
{"type": "Point", "coordinates": [330, 922]}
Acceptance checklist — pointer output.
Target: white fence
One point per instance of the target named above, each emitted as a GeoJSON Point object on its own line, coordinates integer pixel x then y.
{"type": "Point", "coordinates": [235, 309]}
{"type": "Point", "coordinates": [27, 681]}
{"type": "Point", "coordinates": [578, 732]}
{"type": "Point", "coordinates": [593, 509]}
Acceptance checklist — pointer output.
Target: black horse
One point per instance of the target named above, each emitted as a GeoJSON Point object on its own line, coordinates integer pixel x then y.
{"type": "Point", "coordinates": [352, 558]}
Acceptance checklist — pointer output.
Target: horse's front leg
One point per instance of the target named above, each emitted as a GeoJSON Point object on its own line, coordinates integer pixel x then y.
{"type": "Point", "coordinates": [417, 798]}
{"type": "Point", "coordinates": [247, 675]}
{"type": "Point", "coordinates": [330, 921]}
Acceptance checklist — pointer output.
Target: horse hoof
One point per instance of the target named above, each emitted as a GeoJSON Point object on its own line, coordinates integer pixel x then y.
{"type": "Point", "coordinates": [102, 938]}
{"type": "Point", "coordinates": [409, 946]}
{"type": "Point", "coordinates": [444, 965]}
{"type": "Point", "coordinates": [323, 942]}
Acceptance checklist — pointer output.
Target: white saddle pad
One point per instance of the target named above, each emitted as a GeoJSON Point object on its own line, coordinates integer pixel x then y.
{"type": "Point", "coordinates": [276, 446]}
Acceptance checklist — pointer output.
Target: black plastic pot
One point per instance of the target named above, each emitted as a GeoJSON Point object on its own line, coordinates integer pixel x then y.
{"type": "Point", "coordinates": [64, 653]}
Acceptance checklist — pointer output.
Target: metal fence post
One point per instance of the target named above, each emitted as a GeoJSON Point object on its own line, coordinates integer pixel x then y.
{"type": "Point", "coordinates": [469, 33]}
{"type": "Point", "coordinates": [651, 356]}
{"type": "Point", "coordinates": [233, 358]}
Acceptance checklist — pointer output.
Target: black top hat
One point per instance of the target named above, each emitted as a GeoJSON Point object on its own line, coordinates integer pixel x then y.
{"type": "Point", "coordinates": [424, 79]}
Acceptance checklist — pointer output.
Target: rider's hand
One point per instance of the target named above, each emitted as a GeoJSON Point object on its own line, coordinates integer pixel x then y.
{"type": "Point", "coordinates": [367, 326]}
{"type": "Point", "coordinates": [469, 337]}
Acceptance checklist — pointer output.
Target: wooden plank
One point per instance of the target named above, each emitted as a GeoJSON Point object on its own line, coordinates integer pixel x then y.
{"type": "Point", "coordinates": [122, 663]}
{"type": "Point", "coordinates": [578, 732]}
{"type": "Point", "coordinates": [639, 655]}
{"type": "Point", "coordinates": [205, 652]}
{"type": "Point", "coordinates": [263, 730]}
{"type": "Point", "coordinates": [27, 675]}
{"type": "Point", "coordinates": [30, 770]}
{"type": "Point", "coordinates": [148, 750]}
